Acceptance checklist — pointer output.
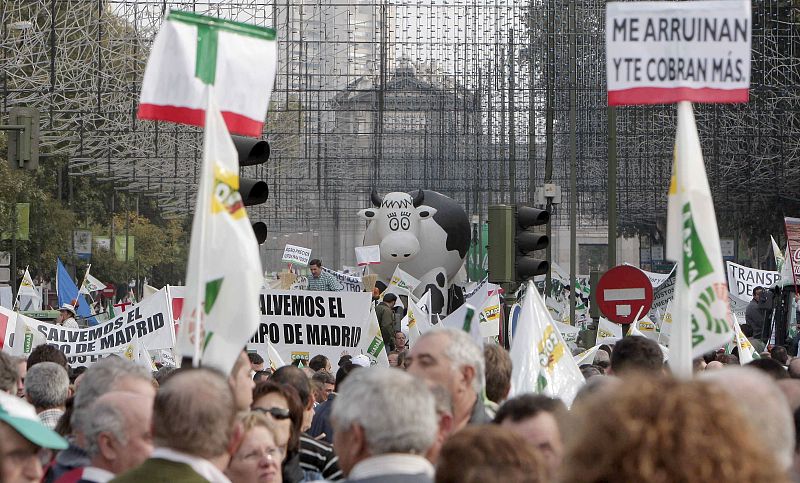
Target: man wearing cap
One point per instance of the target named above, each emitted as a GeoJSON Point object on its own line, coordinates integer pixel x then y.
{"type": "Point", "coordinates": [66, 316]}
{"type": "Point", "coordinates": [22, 437]}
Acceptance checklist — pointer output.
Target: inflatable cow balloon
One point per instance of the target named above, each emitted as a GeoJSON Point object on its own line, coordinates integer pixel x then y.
{"type": "Point", "coordinates": [426, 233]}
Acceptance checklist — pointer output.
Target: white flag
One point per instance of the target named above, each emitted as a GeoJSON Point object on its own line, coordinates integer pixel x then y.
{"type": "Point", "coordinates": [91, 284]}
{"type": "Point", "coordinates": [224, 270]}
{"type": "Point", "coordinates": [26, 287]}
{"type": "Point", "coordinates": [746, 350]}
{"type": "Point", "coordinates": [568, 332]}
{"type": "Point", "coordinates": [275, 359]}
{"type": "Point", "coordinates": [541, 360]}
{"type": "Point", "coordinates": [402, 283]}
{"type": "Point", "coordinates": [608, 332]}
{"type": "Point", "coordinates": [368, 255]}
{"type": "Point", "coordinates": [239, 59]}
{"type": "Point", "coordinates": [587, 356]}
{"type": "Point", "coordinates": [701, 314]}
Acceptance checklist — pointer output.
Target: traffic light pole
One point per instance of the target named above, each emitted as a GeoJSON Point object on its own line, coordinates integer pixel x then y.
{"type": "Point", "coordinates": [573, 180]}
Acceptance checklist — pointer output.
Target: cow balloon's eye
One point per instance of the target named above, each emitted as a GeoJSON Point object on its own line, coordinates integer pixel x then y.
{"type": "Point", "coordinates": [404, 223]}
{"type": "Point", "coordinates": [394, 224]}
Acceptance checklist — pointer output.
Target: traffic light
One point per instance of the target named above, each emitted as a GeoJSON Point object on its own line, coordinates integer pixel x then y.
{"type": "Point", "coordinates": [23, 140]}
{"type": "Point", "coordinates": [253, 152]}
{"type": "Point", "coordinates": [528, 241]}
{"type": "Point", "coordinates": [511, 241]}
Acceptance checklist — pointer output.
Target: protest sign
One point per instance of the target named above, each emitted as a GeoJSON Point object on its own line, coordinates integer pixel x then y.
{"type": "Point", "coordinates": [296, 255]}
{"type": "Point", "coordinates": [146, 322]}
{"type": "Point", "coordinates": [300, 325]}
{"type": "Point", "coordinates": [369, 255]}
{"type": "Point", "coordinates": [664, 52]}
{"type": "Point", "coordinates": [742, 280]}
{"type": "Point", "coordinates": [792, 255]}
{"type": "Point", "coordinates": [663, 294]}
{"type": "Point", "coordinates": [349, 282]}
{"type": "Point", "coordinates": [658, 278]}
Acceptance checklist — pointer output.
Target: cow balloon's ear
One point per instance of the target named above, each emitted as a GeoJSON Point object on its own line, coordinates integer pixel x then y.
{"type": "Point", "coordinates": [426, 212]}
{"type": "Point", "coordinates": [367, 214]}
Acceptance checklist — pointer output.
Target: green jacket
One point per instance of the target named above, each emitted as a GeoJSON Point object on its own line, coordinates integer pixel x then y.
{"type": "Point", "coordinates": [386, 321]}
{"type": "Point", "coordinates": [157, 470]}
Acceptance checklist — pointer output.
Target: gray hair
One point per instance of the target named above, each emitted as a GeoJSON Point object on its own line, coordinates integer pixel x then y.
{"type": "Point", "coordinates": [8, 373]}
{"type": "Point", "coordinates": [105, 418]}
{"type": "Point", "coordinates": [100, 379]}
{"type": "Point", "coordinates": [396, 411]}
{"type": "Point", "coordinates": [47, 385]}
{"type": "Point", "coordinates": [763, 405]}
{"type": "Point", "coordinates": [194, 413]}
{"type": "Point", "coordinates": [463, 351]}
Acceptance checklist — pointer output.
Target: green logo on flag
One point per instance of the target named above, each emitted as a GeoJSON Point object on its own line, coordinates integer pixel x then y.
{"type": "Point", "coordinates": [695, 261]}
{"type": "Point", "coordinates": [714, 325]}
{"type": "Point", "coordinates": [375, 347]}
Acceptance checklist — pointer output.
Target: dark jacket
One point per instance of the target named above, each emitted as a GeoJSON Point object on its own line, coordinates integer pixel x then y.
{"type": "Point", "coordinates": [322, 420]}
{"type": "Point", "coordinates": [385, 317]}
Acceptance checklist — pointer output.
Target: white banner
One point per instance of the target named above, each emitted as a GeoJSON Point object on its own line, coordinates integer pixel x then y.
{"type": "Point", "coordinates": [349, 282]}
{"type": "Point", "coordinates": [300, 325]}
{"type": "Point", "coordinates": [664, 52]}
{"type": "Point", "coordinates": [656, 279]}
{"type": "Point", "coordinates": [297, 255]}
{"type": "Point", "coordinates": [742, 280]}
{"type": "Point", "coordinates": [147, 322]}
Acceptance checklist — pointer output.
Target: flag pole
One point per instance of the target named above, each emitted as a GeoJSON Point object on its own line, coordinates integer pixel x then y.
{"type": "Point", "coordinates": [83, 282]}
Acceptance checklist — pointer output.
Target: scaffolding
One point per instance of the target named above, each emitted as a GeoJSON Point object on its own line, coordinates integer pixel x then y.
{"type": "Point", "coordinates": [448, 95]}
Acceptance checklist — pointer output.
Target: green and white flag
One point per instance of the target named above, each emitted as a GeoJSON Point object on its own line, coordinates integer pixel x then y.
{"type": "Point", "coordinates": [192, 51]}
{"type": "Point", "coordinates": [224, 270]}
{"type": "Point", "coordinates": [701, 314]}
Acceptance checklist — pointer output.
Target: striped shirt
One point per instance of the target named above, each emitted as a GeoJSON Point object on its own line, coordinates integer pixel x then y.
{"type": "Point", "coordinates": [50, 417]}
{"type": "Point", "coordinates": [318, 457]}
{"type": "Point", "coordinates": [324, 283]}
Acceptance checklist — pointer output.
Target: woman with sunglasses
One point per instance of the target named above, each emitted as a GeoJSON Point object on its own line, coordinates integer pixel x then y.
{"type": "Point", "coordinates": [280, 404]}
{"type": "Point", "coordinates": [258, 458]}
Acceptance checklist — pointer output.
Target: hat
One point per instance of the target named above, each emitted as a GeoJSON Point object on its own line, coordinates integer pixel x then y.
{"type": "Point", "coordinates": [21, 416]}
{"type": "Point", "coordinates": [361, 360]}
{"type": "Point", "coordinates": [68, 307]}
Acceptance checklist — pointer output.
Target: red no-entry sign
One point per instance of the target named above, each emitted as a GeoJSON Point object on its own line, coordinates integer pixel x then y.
{"type": "Point", "coordinates": [622, 292]}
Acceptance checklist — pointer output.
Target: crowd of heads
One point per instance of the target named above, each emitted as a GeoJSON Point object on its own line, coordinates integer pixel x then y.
{"type": "Point", "coordinates": [447, 414]}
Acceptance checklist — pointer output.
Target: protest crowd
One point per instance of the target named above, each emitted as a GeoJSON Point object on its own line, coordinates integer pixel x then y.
{"type": "Point", "coordinates": [442, 415]}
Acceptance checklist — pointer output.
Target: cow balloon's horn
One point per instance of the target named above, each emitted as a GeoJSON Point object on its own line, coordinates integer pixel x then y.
{"type": "Point", "coordinates": [419, 198]}
{"type": "Point", "coordinates": [376, 198]}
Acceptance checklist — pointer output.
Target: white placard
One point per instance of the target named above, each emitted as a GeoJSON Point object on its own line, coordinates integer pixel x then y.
{"type": "Point", "coordinates": [368, 255]}
{"type": "Point", "coordinates": [742, 280]}
{"type": "Point", "coordinates": [665, 52]}
{"type": "Point", "coordinates": [296, 255]}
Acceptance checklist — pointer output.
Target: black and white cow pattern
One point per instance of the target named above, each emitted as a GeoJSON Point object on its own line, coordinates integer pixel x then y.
{"type": "Point", "coordinates": [425, 233]}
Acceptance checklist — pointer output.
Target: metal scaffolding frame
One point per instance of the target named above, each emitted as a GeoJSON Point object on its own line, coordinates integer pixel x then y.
{"type": "Point", "coordinates": [451, 95]}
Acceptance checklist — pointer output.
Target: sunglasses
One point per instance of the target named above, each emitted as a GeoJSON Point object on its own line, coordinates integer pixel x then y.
{"type": "Point", "coordinates": [277, 413]}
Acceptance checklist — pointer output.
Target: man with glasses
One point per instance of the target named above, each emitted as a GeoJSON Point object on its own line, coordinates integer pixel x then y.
{"type": "Point", "coordinates": [25, 443]}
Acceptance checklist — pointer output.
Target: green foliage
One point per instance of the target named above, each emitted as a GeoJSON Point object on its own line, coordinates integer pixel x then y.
{"type": "Point", "coordinates": [161, 246]}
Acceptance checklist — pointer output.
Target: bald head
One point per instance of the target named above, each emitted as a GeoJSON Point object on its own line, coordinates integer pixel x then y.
{"type": "Point", "coordinates": [194, 413]}
{"type": "Point", "coordinates": [715, 366]}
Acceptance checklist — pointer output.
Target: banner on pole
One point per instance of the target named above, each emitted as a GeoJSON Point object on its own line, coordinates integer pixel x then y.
{"type": "Point", "coordinates": [296, 255]}
{"type": "Point", "coordinates": [300, 325]}
{"type": "Point", "coordinates": [665, 52]}
{"type": "Point", "coordinates": [147, 322]}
